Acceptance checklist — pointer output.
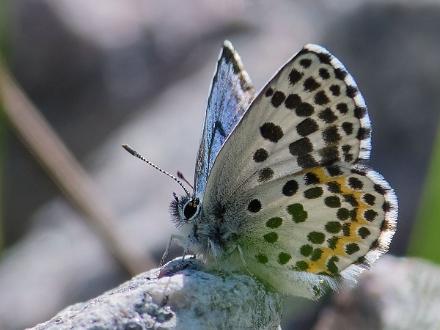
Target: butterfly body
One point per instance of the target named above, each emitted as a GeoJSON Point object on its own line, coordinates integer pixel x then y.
{"type": "Point", "coordinates": [279, 186]}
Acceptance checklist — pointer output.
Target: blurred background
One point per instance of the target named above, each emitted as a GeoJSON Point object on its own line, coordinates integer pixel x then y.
{"type": "Point", "coordinates": [106, 72]}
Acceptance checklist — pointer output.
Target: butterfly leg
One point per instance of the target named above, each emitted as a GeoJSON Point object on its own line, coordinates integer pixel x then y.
{"type": "Point", "coordinates": [185, 252]}
{"type": "Point", "coordinates": [213, 250]}
{"type": "Point", "coordinates": [167, 250]}
{"type": "Point", "coordinates": [240, 253]}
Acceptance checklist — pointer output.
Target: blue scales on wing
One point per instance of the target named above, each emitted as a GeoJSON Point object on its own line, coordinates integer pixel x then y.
{"type": "Point", "coordinates": [230, 95]}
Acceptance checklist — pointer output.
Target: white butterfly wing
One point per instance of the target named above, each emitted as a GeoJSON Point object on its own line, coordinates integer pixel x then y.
{"type": "Point", "coordinates": [292, 199]}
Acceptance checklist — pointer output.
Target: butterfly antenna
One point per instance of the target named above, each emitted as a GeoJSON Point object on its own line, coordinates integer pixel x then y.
{"type": "Point", "coordinates": [181, 177]}
{"type": "Point", "coordinates": [137, 155]}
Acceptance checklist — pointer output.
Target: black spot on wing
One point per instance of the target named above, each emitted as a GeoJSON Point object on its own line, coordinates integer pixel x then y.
{"type": "Point", "coordinates": [310, 84]}
{"type": "Point", "coordinates": [271, 132]}
{"type": "Point", "coordinates": [321, 98]}
{"type": "Point", "coordinates": [334, 170]}
{"type": "Point", "coordinates": [292, 101]}
{"type": "Point", "coordinates": [269, 92]}
{"type": "Point", "coordinates": [306, 161]}
{"type": "Point", "coordinates": [265, 174]}
{"type": "Point", "coordinates": [324, 58]}
{"type": "Point", "coordinates": [307, 127]}
{"type": "Point", "coordinates": [342, 107]}
{"type": "Point", "coordinates": [351, 91]}
{"type": "Point", "coordinates": [304, 109]}
{"type": "Point", "coordinates": [301, 146]}
{"type": "Point", "coordinates": [347, 127]}
{"type": "Point", "coordinates": [311, 178]}
{"type": "Point", "coordinates": [290, 188]}
{"type": "Point", "coordinates": [340, 73]}
{"type": "Point", "coordinates": [254, 206]}
{"type": "Point", "coordinates": [305, 62]}
{"type": "Point", "coordinates": [363, 133]}
{"type": "Point", "coordinates": [329, 155]}
{"type": "Point", "coordinates": [295, 76]}
{"type": "Point", "coordinates": [277, 98]}
{"type": "Point", "coordinates": [335, 89]}
{"type": "Point", "coordinates": [324, 74]}
{"type": "Point", "coordinates": [331, 135]}
{"type": "Point", "coordinates": [260, 155]}
{"type": "Point", "coordinates": [360, 112]}
{"type": "Point", "coordinates": [327, 115]}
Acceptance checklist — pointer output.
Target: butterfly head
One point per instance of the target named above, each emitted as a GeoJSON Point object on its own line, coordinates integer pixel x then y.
{"type": "Point", "coordinates": [184, 209]}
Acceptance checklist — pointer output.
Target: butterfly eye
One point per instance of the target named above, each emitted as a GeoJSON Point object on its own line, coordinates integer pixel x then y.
{"type": "Point", "coordinates": [190, 209]}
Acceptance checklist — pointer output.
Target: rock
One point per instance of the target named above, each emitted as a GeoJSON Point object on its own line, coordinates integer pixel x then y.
{"type": "Point", "coordinates": [399, 293]}
{"type": "Point", "coordinates": [186, 298]}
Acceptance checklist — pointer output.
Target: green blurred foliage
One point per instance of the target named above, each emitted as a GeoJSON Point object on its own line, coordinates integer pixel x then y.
{"type": "Point", "coordinates": [425, 242]}
{"type": "Point", "coordinates": [2, 158]}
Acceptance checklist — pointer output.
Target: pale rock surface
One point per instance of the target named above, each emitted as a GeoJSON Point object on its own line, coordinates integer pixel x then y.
{"type": "Point", "coordinates": [399, 293]}
{"type": "Point", "coordinates": [185, 298]}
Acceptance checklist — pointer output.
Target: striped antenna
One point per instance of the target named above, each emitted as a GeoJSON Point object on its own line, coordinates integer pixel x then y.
{"type": "Point", "coordinates": [137, 155]}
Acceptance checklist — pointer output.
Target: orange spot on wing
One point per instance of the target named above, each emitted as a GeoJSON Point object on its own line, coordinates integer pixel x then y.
{"type": "Point", "coordinates": [320, 265]}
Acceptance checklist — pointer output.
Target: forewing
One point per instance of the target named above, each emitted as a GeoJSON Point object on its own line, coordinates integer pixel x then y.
{"type": "Point", "coordinates": [230, 95]}
{"type": "Point", "coordinates": [309, 119]}
{"type": "Point", "coordinates": [310, 114]}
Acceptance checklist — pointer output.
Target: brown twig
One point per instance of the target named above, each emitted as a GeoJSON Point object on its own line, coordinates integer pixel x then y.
{"type": "Point", "coordinates": [64, 169]}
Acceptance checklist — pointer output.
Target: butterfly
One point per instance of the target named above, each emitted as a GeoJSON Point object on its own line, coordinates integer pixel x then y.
{"type": "Point", "coordinates": [281, 189]}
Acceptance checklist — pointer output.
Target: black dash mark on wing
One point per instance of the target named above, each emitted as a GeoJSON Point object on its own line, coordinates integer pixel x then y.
{"type": "Point", "coordinates": [218, 127]}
